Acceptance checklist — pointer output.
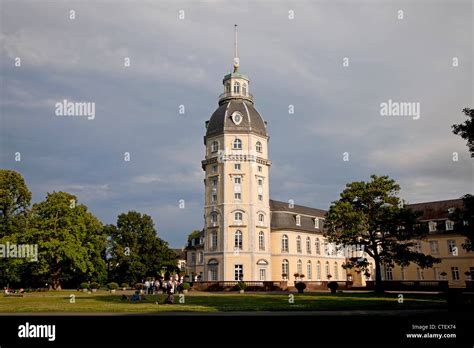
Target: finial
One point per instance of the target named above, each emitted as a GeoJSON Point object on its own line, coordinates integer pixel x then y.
{"type": "Point", "coordinates": [236, 57]}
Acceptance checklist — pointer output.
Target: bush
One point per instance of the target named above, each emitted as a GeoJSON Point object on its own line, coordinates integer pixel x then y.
{"type": "Point", "coordinates": [241, 286]}
{"type": "Point", "coordinates": [139, 286]}
{"type": "Point", "coordinates": [95, 285]}
{"type": "Point", "coordinates": [124, 285]}
{"type": "Point", "coordinates": [333, 286]}
{"type": "Point", "coordinates": [84, 285]}
{"type": "Point", "coordinates": [112, 286]}
{"type": "Point", "coordinates": [300, 286]}
{"type": "Point", "coordinates": [186, 286]}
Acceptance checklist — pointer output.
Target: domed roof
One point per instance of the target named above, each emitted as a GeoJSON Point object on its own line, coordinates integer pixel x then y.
{"type": "Point", "coordinates": [221, 120]}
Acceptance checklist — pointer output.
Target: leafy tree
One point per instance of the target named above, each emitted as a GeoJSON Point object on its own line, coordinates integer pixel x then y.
{"type": "Point", "coordinates": [464, 221]}
{"type": "Point", "coordinates": [70, 241]}
{"type": "Point", "coordinates": [466, 130]}
{"type": "Point", "coordinates": [135, 249]}
{"type": "Point", "coordinates": [371, 215]}
{"type": "Point", "coordinates": [15, 200]}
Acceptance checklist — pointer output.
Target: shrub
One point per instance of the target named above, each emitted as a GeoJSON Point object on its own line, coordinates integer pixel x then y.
{"type": "Point", "coordinates": [112, 286]}
{"type": "Point", "coordinates": [186, 286]}
{"type": "Point", "coordinates": [241, 286]}
{"type": "Point", "coordinates": [124, 285]}
{"type": "Point", "coordinates": [333, 286]}
{"type": "Point", "coordinates": [139, 286]}
{"type": "Point", "coordinates": [84, 285]}
{"type": "Point", "coordinates": [300, 286]}
{"type": "Point", "coordinates": [95, 285]}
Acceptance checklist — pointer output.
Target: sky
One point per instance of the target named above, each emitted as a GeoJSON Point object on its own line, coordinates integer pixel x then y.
{"type": "Point", "coordinates": [294, 53]}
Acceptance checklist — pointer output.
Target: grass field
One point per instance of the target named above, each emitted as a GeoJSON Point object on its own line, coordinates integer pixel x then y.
{"type": "Point", "coordinates": [59, 301]}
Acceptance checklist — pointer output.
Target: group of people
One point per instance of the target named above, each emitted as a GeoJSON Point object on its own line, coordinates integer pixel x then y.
{"type": "Point", "coordinates": [168, 284]}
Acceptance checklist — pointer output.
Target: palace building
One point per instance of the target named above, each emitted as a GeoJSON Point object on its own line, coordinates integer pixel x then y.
{"type": "Point", "coordinates": [247, 236]}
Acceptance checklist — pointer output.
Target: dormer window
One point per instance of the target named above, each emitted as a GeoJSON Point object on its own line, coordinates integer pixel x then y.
{"type": "Point", "coordinates": [214, 146]}
{"type": "Point", "coordinates": [237, 144]}
{"type": "Point", "coordinates": [236, 87]}
{"type": "Point", "coordinates": [451, 210]}
{"type": "Point", "coordinates": [258, 146]}
{"type": "Point", "coordinates": [298, 220]}
{"type": "Point", "coordinates": [432, 226]}
{"type": "Point", "coordinates": [227, 87]}
{"type": "Point", "coordinates": [449, 225]}
{"type": "Point", "coordinates": [316, 223]}
{"type": "Point", "coordinates": [244, 89]}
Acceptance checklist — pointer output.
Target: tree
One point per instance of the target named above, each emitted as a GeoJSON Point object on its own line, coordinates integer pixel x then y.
{"type": "Point", "coordinates": [466, 130]}
{"type": "Point", "coordinates": [71, 242]}
{"type": "Point", "coordinates": [464, 220]}
{"type": "Point", "coordinates": [370, 214]}
{"type": "Point", "coordinates": [135, 249]}
{"type": "Point", "coordinates": [15, 200]}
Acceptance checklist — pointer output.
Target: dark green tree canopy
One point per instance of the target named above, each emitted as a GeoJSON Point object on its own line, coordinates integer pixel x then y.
{"type": "Point", "coordinates": [371, 215]}
{"type": "Point", "coordinates": [466, 130]}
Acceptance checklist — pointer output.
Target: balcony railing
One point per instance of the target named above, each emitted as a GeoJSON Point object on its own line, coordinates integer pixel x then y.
{"type": "Point", "coordinates": [231, 95]}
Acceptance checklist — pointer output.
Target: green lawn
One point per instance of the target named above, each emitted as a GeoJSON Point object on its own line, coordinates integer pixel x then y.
{"type": "Point", "coordinates": [214, 302]}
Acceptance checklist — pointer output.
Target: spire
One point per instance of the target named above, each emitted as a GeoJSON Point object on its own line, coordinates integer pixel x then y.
{"type": "Point", "coordinates": [236, 56]}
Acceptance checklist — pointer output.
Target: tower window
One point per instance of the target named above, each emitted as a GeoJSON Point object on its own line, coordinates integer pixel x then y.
{"type": "Point", "coordinates": [237, 144]}
{"type": "Point", "coordinates": [298, 220]}
{"type": "Point", "coordinates": [260, 169]}
{"type": "Point", "coordinates": [214, 146]}
{"type": "Point", "coordinates": [213, 240]}
{"type": "Point", "coordinates": [244, 89]}
{"type": "Point", "coordinates": [237, 166]}
{"type": "Point", "coordinates": [258, 146]}
{"type": "Point", "coordinates": [238, 216]}
{"type": "Point", "coordinates": [261, 218]}
{"type": "Point", "coordinates": [237, 196]}
{"type": "Point", "coordinates": [238, 240]}
{"type": "Point", "coordinates": [284, 243]}
{"type": "Point", "coordinates": [213, 218]}
{"type": "Point", "coordinates": [261, 240]}
{"type": "Point", "coordinates": [237, 180]}
{"type": "Point", "coordinates": [260, 182]}
{"type": "Point", "coordinates": [214, 169]}
{"type": "Point", "coordinates": [260, 197]}
{"type": "Point", "coordinates": [236, 87]}
{"type": "Point", "coordinates": [227, 87]}
{"type": "Point", "coordinates": [214, 198]}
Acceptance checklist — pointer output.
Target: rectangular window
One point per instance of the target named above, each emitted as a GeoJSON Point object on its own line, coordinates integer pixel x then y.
{"type": "Point", "coordinates": [452, 249]}
{"type": "Point", "coordinates": [449, 225]}
{"type": "Point", "coordinates": [214, 169]}
{"type": "Point", "coordinates": [213, 273]}
{"type": "Point", "coordinates": [260, 169]}
{"type": "Point", "coordinates": [434, 247]}
{"type": "Point", "coordinates": [214, 240]}
{"type": "Point", "coordinates": [318, 271]}
{"type": "Point", "coordinates": [420, 274]}
{"type": "Point", "coordinates": [237, 196]}
{"type": "Point", "coordinates": [214, 182]}
{"type": "Point", "coordinates": [237, 180]}
{"type": "Point", "coordinates": [260, 197]}
{"type": "Point", "coordinates": [403, 270]}
{"type": "Point", "coordinates": [455, 273]}
{"type": "Point", "coordinates": [193, 257]}
{"type": "Point", "coordinates": [432, 226]}
{"type": "Point", "coordinates": [237, 166]}
{"type": "Point", "coordinates": [238, 272]}
{"type": "Point", "coordinates": [389, 274]}
{"type": "Point", "coordinates": [263, 274]}
{"type": "Point", "coordinates": [200, 257]}
{"type": "Point", "coordinates": [214, 198]}
{"type": "Point", "coordinates": [260, 182]}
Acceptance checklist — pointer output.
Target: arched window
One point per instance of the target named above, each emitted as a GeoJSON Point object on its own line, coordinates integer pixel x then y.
{"type": "Point", "coordinates": [299, 267]}
{"type": "Point", "coordinates": [238, 216]}
{"type": "Point", "coordinates": [236, 87]}
{"type": "Point", "coordinates": [336, 271]}
{"type": "Point", "coordinates": [261, 240]}
{"type": "Point", "coordinates": [227, 87]}
{"type": "Point", "coordinates": [326, 248]}
{"type": "Point", "coordinates": [213, 241]}
{"type": "Point", "coordinates": [215, 146]}
{"type": "Point", "coordinates": [261, 218]}
{"type": "Point", "coordinates": [200, 257]}
{"type": "Point", "coordinates": [298, 220]}
{"type": "Point", "coordinates": [237, 144]}
{"type": "Point", "coordinates": [258, 146]}
{"type": "Point", "coordinates": [318, 247]}
{"type": "Point", "coordinates": [285, 269]}
{"type": "Point", "coordinates": [298, 245]}
{"type": "Point", "coordinates": [327, 270]}
{"type": "Point", "coordinates": [309, 270]}
{"type": "Point", "coordinates": [244, 89]}
{"type": "Point", "coordinates": [308, 245]}
{"type": "Point", "coordinates": [238, 240]}
{"type": "Point", "coordinates": [318, 270]}
{"type": "Point", "coordinates": [213, 218]}
{"type": "Point", "coordinates": [284, 243]}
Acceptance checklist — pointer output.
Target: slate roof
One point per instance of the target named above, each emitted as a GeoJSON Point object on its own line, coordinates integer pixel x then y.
{"type": "Point", "coordinates": [284, 217]}
{"type": "Point", "coordinates": [221, 120]}
{"type": "Point", "coordinates": [436, 210]}
{"type": "Point", "coordinates": [180, 253]}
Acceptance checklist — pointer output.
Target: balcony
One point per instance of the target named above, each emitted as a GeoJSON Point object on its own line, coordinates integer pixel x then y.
{"type": "Point", "coordinates": [232, 95]}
